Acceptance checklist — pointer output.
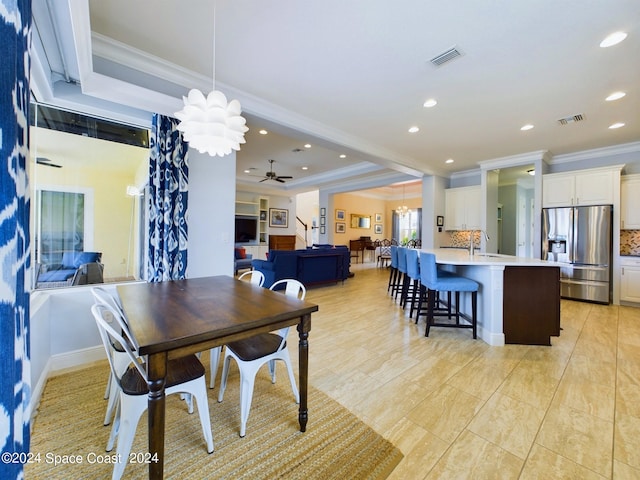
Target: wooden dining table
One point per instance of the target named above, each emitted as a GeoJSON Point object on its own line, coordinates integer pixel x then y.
{"type": "Point", "coordinates": [181, 317]}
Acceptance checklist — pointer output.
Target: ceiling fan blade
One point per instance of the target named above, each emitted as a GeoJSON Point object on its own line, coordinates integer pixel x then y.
{"type": "Point", "coordinates": [264, 180]}
{"type": "Point", "coordinates": [278, 179]}
{"type": "Point", "coordinates": [47, 163]}
{"type": "Point", "coordinates": [284, 176]}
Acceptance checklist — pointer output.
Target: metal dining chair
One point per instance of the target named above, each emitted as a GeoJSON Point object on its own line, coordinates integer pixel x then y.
{"type": "Point", "coordinates": [120, 358]}
{"type": "Point", "coordinates": [252, 353]}
{"type": "Point", "coordinates": [255, 277]}
{"type": "Point", "coordinates": [184, 375]}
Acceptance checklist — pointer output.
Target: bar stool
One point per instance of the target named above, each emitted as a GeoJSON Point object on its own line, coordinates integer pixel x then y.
{"type": "Point", "coordinates": [393, 270]}
{"type": "Point", "coordinates": [402, 273]}
{"type": "Point", "coordinates": [450, 283]}
{"type": "Point", "coordinates": [413, 274]}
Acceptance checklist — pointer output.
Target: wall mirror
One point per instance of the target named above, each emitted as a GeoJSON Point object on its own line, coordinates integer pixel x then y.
{"type": "Point", "coordinates": [360, 221]}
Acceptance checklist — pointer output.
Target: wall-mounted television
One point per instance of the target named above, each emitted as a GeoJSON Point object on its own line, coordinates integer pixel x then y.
{"type": "Point", "coordinates": [246, 229]}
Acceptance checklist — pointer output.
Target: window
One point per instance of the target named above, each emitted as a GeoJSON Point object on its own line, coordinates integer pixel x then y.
{"type": "Point", "coordinates": [60, 220]}
{"type": "Point", "coordinates": [87, 176]}
{"type": "Point", "coordinates": [407, 227]}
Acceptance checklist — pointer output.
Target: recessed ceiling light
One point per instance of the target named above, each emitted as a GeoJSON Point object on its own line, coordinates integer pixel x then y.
{"type": "Point", "coordinates": [613, 39]}
{"type": "Point", "coordinates": [247, 171]}
{"type": "Point", "coordinates": [531, 172]}
{"type": "Point", "coordinates": [307, 145]}
{"type": "Point", "coordinates": [305, 168]}
{"type": "Point", "coordinates": [526, 127]}
{"type": "Point", "coordinates": [263, 132]}
{"type": "Point", "coordinates": [343, 156]}
{"type": "Point", "coordinates": [449, 160]}
{"type": "Point", "coordinates": [430, 103]}
{"type": "Point", "coordinates": [414, 129]}
{"type": "Point", "coordinates": [616, 125]}
{"type": "Point", "coordinates": [615, 96]}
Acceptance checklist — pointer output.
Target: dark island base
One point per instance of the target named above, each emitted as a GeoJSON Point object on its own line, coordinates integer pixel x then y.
{"type": "Point", "coordinates": [531, 305]}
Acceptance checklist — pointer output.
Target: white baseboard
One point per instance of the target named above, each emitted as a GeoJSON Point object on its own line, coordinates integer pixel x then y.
{"type": "Point", "coordinates": [77, 358]}
{"type": "Point", "coordinates": [60, 362]}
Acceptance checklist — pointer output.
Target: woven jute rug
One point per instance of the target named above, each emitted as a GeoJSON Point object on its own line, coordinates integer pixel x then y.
{"type": "Point", "coordinates": [68, 430]}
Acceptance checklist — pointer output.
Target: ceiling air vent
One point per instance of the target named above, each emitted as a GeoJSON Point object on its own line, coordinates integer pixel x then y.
{"type": "Point", "coordinates": [571, 119]}
{"type": "Point", "coordinates": [446, 56]}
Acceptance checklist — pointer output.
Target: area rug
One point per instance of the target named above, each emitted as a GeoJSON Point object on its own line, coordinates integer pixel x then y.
{"type": "Point", "coordinates": [336, 445]}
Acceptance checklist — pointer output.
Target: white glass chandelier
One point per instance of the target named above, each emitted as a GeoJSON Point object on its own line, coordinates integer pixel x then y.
{"type": "Point", "coordinates": [211, 124]}
{"type": "Point", "coordinates": [403, 210]}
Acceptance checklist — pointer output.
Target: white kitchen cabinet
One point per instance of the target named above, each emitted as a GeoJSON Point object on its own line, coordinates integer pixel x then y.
{"type": "Point", "coordinates": [463, 208]}
{"type": "Point", "coordinates": [585, 187]}
{"type": "Point", "coordinates": [630, 202]}
{"type": "Point", "coordinates": [630, 280]}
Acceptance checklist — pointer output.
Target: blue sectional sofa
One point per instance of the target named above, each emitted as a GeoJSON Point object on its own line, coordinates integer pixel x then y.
{"type": "Point", "coordinates": [311, 266]}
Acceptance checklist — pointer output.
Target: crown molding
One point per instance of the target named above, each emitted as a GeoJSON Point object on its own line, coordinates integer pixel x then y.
{"type": "Point", "coordinates": [622, 149]}
{"type": "Point", "coordinates": [515, 160]}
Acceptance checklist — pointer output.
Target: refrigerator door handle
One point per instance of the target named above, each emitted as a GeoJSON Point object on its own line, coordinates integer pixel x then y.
{"type": "Point", "coordinates": [572, 228]}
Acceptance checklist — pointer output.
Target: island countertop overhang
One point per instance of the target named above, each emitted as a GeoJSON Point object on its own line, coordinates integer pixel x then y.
{"type": "Point", "coordinates": [448, 256]}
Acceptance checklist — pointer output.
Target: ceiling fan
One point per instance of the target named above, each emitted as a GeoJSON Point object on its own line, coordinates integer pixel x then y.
{"type": "Point", "coordinates": [46, 162]}
{"type": "Point", "coordinates": [271, 175]}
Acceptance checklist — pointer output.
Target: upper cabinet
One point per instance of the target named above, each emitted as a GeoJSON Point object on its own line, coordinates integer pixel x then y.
{"type": "Point", "coordinates": [463, 208]}
{"type": "Point", "coordinates": [585, 187]}
{"type": "Point", "coordinates": [630, 202]}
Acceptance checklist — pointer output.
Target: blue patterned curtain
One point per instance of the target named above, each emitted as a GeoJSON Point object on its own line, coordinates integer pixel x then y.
{"type": "Point", "coordinates": [168, 185]}
{"type": "Point", "coordinates": [15, 388]}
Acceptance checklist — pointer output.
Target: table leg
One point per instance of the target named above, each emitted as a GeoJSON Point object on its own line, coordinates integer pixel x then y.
{"type": "Point", "coordinates": [157, 374]}
{"type": "Point", "coordinates": [303, 365]}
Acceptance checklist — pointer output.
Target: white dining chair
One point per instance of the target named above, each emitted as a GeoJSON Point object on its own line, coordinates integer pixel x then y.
{"type": "Point", "coordinates": [184, 375]}
{"type": "Point", "coordinates": [252, 353]}
{"type": "Point", "coordinates": [255, 278]}
{"type": "Point", "coordinates": [120, 357]}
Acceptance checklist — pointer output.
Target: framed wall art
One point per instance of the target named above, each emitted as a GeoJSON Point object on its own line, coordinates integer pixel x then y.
{"type": "Point", "coordinates": [341, 227]}
{"type": "Point", "coordinates": [341, 215]}
{"type": "Point", "coordinates": [378, 218]}
{"type": "Point", "coordinates": [278, 217]}
{"type": "Point", "coordinates": [377, 228]}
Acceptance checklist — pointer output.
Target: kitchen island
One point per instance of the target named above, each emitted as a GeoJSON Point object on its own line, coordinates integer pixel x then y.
{"type": "Point", "coordinates": [518, 298]}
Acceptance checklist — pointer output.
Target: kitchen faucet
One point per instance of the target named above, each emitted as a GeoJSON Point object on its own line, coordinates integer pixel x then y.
{"type": "Point", "coordinates": [471, 239]}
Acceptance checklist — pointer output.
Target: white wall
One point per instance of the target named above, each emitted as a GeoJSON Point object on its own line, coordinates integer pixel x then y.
{"type": "Point", "coordinates": [212, 194]}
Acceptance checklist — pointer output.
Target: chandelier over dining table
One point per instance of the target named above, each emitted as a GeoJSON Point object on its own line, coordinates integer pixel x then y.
{"type": "Point", "coordinates": [211, 124]}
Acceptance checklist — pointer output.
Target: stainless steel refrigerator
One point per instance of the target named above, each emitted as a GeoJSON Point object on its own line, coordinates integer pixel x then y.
{"type": "Point", "coordinates": [580, 239]}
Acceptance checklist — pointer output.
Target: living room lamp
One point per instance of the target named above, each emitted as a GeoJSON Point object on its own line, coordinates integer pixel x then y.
{"type": "Point", "coordinates": [211, 124]}
{"type": "Point", "coordinates": [402, 210]}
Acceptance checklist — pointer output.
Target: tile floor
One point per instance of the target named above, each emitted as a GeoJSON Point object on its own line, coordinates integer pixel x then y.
{"type": "Point", "coordinates": [458, 408]}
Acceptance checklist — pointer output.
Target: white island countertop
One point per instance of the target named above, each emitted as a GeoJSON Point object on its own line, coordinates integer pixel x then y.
{"type": "Point", "coordinates": [459, 256]}
{"type": "Point", "coordinates": [489, 270]}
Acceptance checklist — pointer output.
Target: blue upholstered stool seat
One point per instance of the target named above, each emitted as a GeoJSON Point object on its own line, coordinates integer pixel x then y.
{"type": "Point", "coordinates": [435, 281]}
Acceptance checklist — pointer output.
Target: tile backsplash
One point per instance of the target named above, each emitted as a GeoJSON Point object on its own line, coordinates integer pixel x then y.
{"type": "Point", "coordinates": [629, 242]}
{"type": "Point", "coordinates": [461, 239]}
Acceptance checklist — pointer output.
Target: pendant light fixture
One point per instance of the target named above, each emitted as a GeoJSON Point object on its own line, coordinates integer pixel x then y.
{"type": "Point", "coordinates": [211, 124]}
{"type": "Point", "coordinates": [403, 210]}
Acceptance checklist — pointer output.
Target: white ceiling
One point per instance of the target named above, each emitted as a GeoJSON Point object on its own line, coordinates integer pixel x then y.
{"type": "Point", "coordinates": [351, 77]}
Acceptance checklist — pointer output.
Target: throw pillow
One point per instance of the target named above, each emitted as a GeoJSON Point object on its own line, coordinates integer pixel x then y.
{"type": "Point", "coordinates": [241, 253]}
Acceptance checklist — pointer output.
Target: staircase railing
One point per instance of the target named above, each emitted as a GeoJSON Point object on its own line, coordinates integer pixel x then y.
{"type": "Point", "coordinates": [299, 224]}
